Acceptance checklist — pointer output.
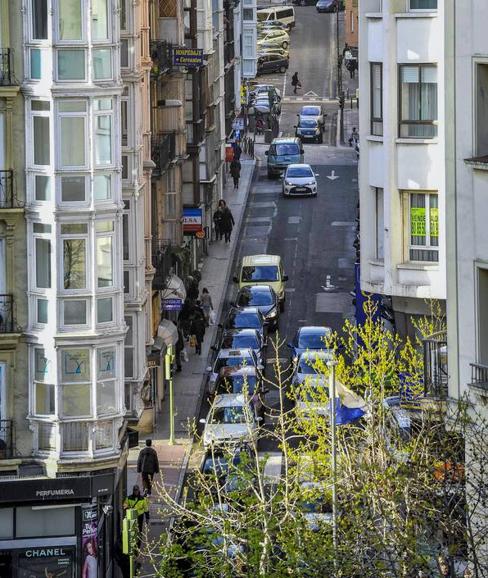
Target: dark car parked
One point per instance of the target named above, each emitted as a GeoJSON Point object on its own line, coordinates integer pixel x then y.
{"type": "Point", "coordinates": [272, 63]}
{"type": "Point", "coordinates": [264, 298]}
{"type": "Point", "coordinates": [244, 339]}
{"type": "Point", "coordinates": [246, 318]}
{"type": "Point", "coordinates": [329, 5]}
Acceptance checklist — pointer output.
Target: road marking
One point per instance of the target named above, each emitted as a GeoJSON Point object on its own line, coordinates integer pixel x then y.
{"type": "Point", "coordinates": [311, 93]}
{"type": "Point", "coordinates": [290, 290]}
{"type": "Point", "coordinates": [284, 86]}
{"type": "Point", "coordinates": [290, 239]}
{"type": "Point", "coordinates": [258, 220]}
{"type": "Point", "coordinates": [342, 223]}
{"type": "Point", "coordinates": [294, 220]}
{"type": "Point", "coordinates": [332, 176]}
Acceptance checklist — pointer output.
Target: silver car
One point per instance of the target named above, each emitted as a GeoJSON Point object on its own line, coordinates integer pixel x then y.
{"type": "Point", "coordinates": [299, 179]}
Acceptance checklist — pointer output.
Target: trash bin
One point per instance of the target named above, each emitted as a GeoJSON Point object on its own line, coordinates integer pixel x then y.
{"type": "Point", "coordinates": [268, 135]}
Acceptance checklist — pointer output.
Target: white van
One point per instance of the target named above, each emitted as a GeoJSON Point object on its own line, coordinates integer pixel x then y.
{"type": "Point", "coordinates": [284, 14]}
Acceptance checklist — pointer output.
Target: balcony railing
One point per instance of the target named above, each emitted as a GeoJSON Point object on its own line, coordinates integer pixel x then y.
{"type": "Point", "coordinates": [7, 321]}
{"type": "Point", "coordinates": [479, 376]}
{"type": "Point", "coordinates": [6, 439]}
{"type": "Point", "coordinates": [8, 199]}
{"type": "Point", "coordinates": [6, 72]}
{"type": "Point", "coordinates": [435, 365]}
{"type": "Point", "coordinates": [163, 149]}
{"type": "Point", "coordinates": [162, 57]}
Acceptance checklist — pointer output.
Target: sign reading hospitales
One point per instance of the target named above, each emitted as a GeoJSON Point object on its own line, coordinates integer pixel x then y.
{"type": "Point", "coordinates": [192, 220]}
{"type": "Point", "coordinates": [189, 57]}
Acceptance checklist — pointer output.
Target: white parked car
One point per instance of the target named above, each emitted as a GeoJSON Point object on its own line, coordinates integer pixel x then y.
{"type": "Point", "coordinates": [299, 179]}
{"type": "Point", "coordinates": [231, 358]}
{"type": "Point", "coordinates": [231, 419]}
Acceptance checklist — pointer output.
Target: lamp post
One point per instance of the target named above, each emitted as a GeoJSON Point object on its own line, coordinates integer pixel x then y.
{"type": "Point", "coordinates": [340, 92]}
{"type": "Point", "coordinates": [332, 397]}
{"type": "Point", "coordinates": [168, 373]}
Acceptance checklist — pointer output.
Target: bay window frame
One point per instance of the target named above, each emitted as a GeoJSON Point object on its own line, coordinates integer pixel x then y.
{"type": "Point", "coordinates": [427, 247]}
{"type": "Point", "coordinates": [421, 122]}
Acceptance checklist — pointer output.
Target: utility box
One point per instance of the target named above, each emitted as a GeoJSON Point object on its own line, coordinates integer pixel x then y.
{"type": "Point", "coordinates": [268, 135]}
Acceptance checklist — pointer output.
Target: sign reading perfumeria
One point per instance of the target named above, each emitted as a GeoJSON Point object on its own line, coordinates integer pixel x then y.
{"type": "Point", "coordinates": [189, 57]}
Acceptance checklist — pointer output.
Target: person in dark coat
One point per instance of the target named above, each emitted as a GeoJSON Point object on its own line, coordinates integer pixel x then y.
{"type": "Point", "coordinates": [295, 82]}
{"type": "Point", "coordinates": [235, 171]}
{"type": "Point", "coordinates": [237, 151]}
{"type": "Point", "coordinates": [148, 465]}
{"type": "Point", "coordinates": [193, 290]}
{"type": "Point", "coordinates": [184, 317]}
{"type": "Point", "coordinates": [227, 222]}
{"type": "Point", "coordinates": [198, 330]}
{"type": "Point", "coordinates": [217, 219]}
{"type": "Point", "coordinates": [179, 346]}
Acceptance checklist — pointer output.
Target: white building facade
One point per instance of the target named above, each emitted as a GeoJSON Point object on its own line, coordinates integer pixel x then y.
{"type": "Point", "coordinates": [74, 209]}
{"type": "Point", "coordinates": [402, 176]}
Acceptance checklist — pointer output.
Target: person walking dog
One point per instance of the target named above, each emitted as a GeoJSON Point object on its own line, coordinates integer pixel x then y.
{"type": "Point", "coordinates": [148, 466]}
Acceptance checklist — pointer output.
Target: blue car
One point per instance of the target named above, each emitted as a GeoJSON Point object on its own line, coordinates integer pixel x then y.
{"type": "Point", "coordinates": [329, 5]}
{"type": "Point", "coordinates": [310, 338]}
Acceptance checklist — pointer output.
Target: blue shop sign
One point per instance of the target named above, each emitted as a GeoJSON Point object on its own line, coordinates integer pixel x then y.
{"type": "Point", "coordinates": [192, 220]}
{"type": "Point", "coordinates": [172, 304]}
{"type": "Point", "coordinates": [188, 57]}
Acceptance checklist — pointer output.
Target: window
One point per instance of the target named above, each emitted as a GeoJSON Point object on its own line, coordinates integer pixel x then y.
{"type": "Point", "coordinates": [74, 255]}
{"type": "Point", "coordinates": [104, 435]}
{"type": "Point", "coordinates": [99, 20]}
{"type": "Point", "coordinates": [248, 14]}
{"type": "Point", "coordinates": [125, 231]}
{"type": "Point", "coordinates": [76, 388]}
{"type": "Point", "coordinates": [75, 312]}
{"type": "Point", "coordinates": [123, 14]}
{"type": "Point", "coordinates": [170, 205]}
{"type": "Point", "coordinates": [124, 120]}
{"type": "Point", "coordinates": [71, 64]}
{"type": "Point", "coordinates": [39, 19]}
{"type": "Point", "coordinates": [6, 523]}
{"type": "Point", "coordinates": [481, 110]}
{"type": "Point", "coordinates": [72, 114]}
{"type": "Point", "coordinates": [42, 308]}
{"type": "Point", "coordinates": [32, 522]}
{"type": "Point", "coordinates": [104, 310]}
{"type": "Point", "coordinates": [423, 4]}
{"type": "Point", "coordinates": [124, 53]}
{"type": "Point", "coordinates": [482, 315]}
{"type": "Point", "coordinates": [380, 223]}
{"type": "Point", "coordinates": [41, 132]}
{"type": "Point", "coordinates": [418, 101]}
{"type": "Point", "coordinates": [35, 64]}
{"type": "Point", "coordinates": [73, 189]}
{"type": "Point", "coordinates": [42, 188]}
{"type": "Point", "coordinates": [104, 253]}
{"type": "Point", "coordinates": [43, 389]}
{"type": "Point", "coordinates": [75, 436]}
{"type": "Point", "coordinates": [377, 99]}
{"type": "Point", "coordinates": [102, 64]}
{"type": "Point", "coordinates": [102, 190]}
{"type": "Point", "coordinates": [423, 227]}
{"type": "Point", "coordinates": [106, 398]}
{"type": "Point", "coordinates": [43, 263]}
{"type": "Point", "coordinates": [46, 437]}
{"type": "Point", "coordinates": [70, 20]}
{"type": "Point", "coordinates": [103, 139]}
{"type": "Point", "coordinates": [129, 348]}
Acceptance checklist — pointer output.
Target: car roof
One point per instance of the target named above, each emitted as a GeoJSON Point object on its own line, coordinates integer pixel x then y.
{"type": "Point", "coordinates": [258, 287]}
{"type": "Point", "coordinates": [236, 371]}
{"type": "Point", "coordinates": [298, 166]}
{"type": "Point", "coordinates": [227, 353]}
{"type": "Point", "coordinates": [313, 355]}
{"type": "Point", "coordinates": [311, 106]}
{"type": "Point", "coordinates": [253, 260]}
{"type": "Point", "coordinates": [229, 400]}
{"type": "Point", "coordinates": [240, 331]}
{"type": "Point", "coordinates": [245, 310]}
{"type": "Point", "coordinates": [314, 328]}
{"type": "Point", "coordinates": [308, 117]}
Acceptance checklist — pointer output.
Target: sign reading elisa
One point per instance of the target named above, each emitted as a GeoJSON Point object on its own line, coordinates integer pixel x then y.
{"type": "Point", "coordinates": [189, 57]}
{"type": "Point", "coordinates": [192, 220]}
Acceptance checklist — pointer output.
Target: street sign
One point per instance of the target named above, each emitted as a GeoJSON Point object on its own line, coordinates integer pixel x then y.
{"type": "Point", "coordinates": [192, 220]}
{"type": "Point", "coordinates": [172, 304]}
{"type": "Point", "coordinates": [188, 57]}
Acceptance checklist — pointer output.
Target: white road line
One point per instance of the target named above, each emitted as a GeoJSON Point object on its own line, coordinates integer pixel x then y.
{"type": "Point", "coordinates": [284, 86]}
{"type": "Point", "coordinates": [272, 468]}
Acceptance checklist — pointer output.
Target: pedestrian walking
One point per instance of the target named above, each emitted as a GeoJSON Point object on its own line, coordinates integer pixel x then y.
{"type": "Point", "coordinates": [227, 222]}
{"type": "Point", "coordinates": [184, 317]}
{"type": "Point", "coordinates": [207, 304]}
{"type": "Point", "coordinates": [351, 66]}
{"type": "Point", "coordinates": [217, 219]}
{"type": "Point", "coordinates": [354, 138]}
{"type": "Point", "coordinates": [148, 466]}
{"type": "Point", "coordinates": [193, 290]}
{"type": "Point", "coordinates": [198, 330]}
{"type": "Point", "coordinates": [235, 171]}
{"type": "Point", "coordinates": [179, 346]}
{"type": "Point", "coordinates": [140, 504]}
{"type": "Point", "coordinates": [295, 82]}
{"type": "Point", "coordinates": [237, 150]}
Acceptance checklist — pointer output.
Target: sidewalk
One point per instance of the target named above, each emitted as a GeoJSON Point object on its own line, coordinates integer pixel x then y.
{"type": "Point", "coordinates": [189, 384]}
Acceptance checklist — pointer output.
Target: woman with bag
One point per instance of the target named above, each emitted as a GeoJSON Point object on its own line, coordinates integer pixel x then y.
{"type": "Point", "coordinates": [197, 331]}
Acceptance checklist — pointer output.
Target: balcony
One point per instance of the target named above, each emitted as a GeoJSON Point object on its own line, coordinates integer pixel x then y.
{"type": "Point", "coordinates": [8, 199]}
{"type": "Point", "coordinates": [6, 69]}
{"type": "Point", "coordinates": [7, 320]}
{"type": "Point", "coordinates": [435, 365]}
{"type": "Point", "coordinates": [6, 439]}
{"type": "Point", "coordinates": [479, 377]}
{"type": "Point", "coordinates": [162, 58]}
{"type": "Point", "coordinates": [163, 152]}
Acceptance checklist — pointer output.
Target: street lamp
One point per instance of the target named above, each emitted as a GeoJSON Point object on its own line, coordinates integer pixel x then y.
{"type": "Point", "coordinates": [332, 397]}
{"type": "Point", "coordinates": [340, 94]}
{"type": "Point", "coordinates": [168, 373]}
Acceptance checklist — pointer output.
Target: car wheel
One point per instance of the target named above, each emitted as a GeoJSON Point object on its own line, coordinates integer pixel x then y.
{"type": "Point", "coordinates": [284, 44]}
{"type": "Point", "coordinates": [282, 69]}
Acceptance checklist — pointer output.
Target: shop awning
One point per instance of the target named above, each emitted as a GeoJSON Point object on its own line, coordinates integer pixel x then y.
{"type": "Point", "coordinates": [175, 289]}
{"type": "Point", "coordinates": [168, 332]}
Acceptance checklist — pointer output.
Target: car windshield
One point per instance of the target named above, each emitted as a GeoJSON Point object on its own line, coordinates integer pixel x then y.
{"type": "Point", "coordinates": [262, 16]}
{"type": "Point", "coordinates": [217, 465]}
{"type": "Point", "coordinates": [235, 384]}
{"type": "Point", "coordinates": [300, 172]}
{"type": "Point", "coordinates": [241, 342]}
{"type": "Point", "coordinates": [255, 298]}
{"type": "Point", "coordinates": [260, 273]}
{"type": "Point", "coordinates": [311, 340]}
{"type": "Point", "coordinates": [231, 362]}
{"type": "Point", "coordinates": [247, 320]}
{"type": "Point", "coordinates": [284, 149]}
{"type": "Point", "coordinates": [310, 111]}
{"type": "Point", "coordinates": [308, 122]}
{"type": "Point", "coordinates": [232, 414]}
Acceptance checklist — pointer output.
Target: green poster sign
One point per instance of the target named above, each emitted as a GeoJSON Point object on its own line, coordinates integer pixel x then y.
{"type": "Point", "coordinates": [434, 222]}
{"type": "Point", "coordinates": [417, 222]}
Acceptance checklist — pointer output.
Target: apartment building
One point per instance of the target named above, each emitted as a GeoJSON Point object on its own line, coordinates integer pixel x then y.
{"type": "Point", "coordinates": [68, 406]}
{"type": "Point", "coordinates": [351, 22]}
{"type": "Point", "coordinates": [402, 173]}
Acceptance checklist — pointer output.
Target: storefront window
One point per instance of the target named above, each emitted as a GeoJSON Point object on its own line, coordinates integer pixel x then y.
{"type": "Point", "coordinates": [44, 522]}
{"type": "Point", "coordinates": [6, 523]}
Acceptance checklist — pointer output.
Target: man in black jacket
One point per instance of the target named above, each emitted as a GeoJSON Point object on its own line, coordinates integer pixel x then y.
{"type": "Point", "coordinates": [148, 465]}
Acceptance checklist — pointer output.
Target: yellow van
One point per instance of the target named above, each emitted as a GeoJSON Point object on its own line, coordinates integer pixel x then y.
{"type": "Point", "coordinates": [265, 270]}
